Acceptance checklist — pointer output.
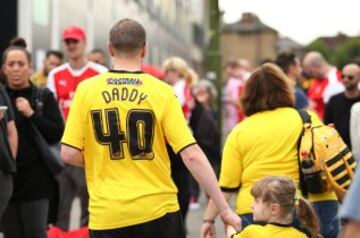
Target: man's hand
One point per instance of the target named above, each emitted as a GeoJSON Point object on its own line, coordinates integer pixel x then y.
{"type": "Point", "coordinates": [1, 115]}
{"type": "Point", "coordinates": [208, 230]}
{"type": "Point", "coordinates": [231, 218]}
{"type": "Point", "coordinates": [229, 231]}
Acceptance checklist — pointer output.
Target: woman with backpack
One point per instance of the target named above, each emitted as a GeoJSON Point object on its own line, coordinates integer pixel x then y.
{"type": "Point", "coordinates": [265, 144]}
{"type": "Point", "coordinates": [28, 211]}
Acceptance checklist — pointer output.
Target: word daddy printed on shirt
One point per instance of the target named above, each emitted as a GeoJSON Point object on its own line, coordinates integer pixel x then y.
{"type": "Point", "coordinates": [124, 94]}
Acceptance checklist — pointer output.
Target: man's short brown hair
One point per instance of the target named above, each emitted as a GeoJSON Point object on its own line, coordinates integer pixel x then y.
{"type": "Point", "coordinates": [268, 88]}
{"type": "Point", "coordinates": [127, 36]}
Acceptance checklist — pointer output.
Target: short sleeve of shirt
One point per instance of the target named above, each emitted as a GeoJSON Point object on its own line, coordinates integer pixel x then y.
{"type": "Point", "coordinates": [175, 127]}
{"type": "Point", "coordinates": [74, 129]}
{"type": "Point", "coordinates": [231, 166]}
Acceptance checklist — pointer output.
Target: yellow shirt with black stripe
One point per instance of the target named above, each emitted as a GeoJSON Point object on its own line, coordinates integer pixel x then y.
{"type": "Point", "coordinates": [269, 230]}
{"type": "Point", "coordinates": [120, 120]}
{"type": "Point", "coordinates": [264, 144]}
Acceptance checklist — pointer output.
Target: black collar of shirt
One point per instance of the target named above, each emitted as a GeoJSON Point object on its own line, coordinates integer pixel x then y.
{"type": "Point", "coordinates": [125, 71]}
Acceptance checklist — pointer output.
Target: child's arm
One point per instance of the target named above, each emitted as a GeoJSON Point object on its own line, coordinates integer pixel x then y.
{"type": "Point", "coordinates": [230, 231]}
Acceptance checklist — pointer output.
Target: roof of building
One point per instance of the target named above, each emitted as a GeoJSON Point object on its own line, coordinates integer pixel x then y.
{"type": "Point", "coordinates": [287, 43]}
{"type": "Point", "coordinates": [332, 41]}
{"type": "Point", "coordinates": [249, 23]}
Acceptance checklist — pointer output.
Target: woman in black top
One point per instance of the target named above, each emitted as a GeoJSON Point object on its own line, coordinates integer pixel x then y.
{"type": "Point", "coordinates": [28, 210]}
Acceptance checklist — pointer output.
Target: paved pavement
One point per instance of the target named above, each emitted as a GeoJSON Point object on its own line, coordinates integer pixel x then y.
{"type": "Point", "coordinates": [194, 219]}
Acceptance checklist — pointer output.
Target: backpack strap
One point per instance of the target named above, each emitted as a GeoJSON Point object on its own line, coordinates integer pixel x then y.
{"type": "Point", "coordinates": [38, 99]}
{"type": "Point", "coordinates": [306, 121]}
{"type": "Point", "coordinates": [305, 117]}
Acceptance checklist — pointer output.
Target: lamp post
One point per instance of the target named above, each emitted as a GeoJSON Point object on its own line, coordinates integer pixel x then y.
{"type": "Point", "coordinates": [212, 53]}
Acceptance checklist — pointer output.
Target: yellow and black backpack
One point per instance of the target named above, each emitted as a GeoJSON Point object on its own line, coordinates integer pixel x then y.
{"type": "Point", "coordinates": [333, 164]}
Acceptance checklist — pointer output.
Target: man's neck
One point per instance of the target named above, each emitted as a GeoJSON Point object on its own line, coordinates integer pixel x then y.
{"type": "Point", "coordinates": [127, 64]}
{"type": "Point", "coordinates": [351, 94]}
{"type": "Point", "coordinates": [327, 69]}
{"type": "Point", "coordinates": [78, 63]}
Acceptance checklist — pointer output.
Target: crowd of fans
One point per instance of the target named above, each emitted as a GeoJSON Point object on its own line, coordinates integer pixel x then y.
{"type": "Point", "coordinates": [260, 122]}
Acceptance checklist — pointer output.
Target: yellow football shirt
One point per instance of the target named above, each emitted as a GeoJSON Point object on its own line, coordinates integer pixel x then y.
{"type": "Point", "coordinates": [264, 144]}
{"type": "Point", "coordinates": [39, 78]}
{"type": "Point", "coordinates": [120, 120]}
{"type": "Point", "coordinates": [270, 230]}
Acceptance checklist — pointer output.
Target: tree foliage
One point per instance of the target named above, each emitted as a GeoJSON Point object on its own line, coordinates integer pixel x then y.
{"type": "Point", "coordinates": [320, 47]}
{"type": "Point", "coordinates": [347, 52]}
{"type": "Point", "coordinates": [343, 54]}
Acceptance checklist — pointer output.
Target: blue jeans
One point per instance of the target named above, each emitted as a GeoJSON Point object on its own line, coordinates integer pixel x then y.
{"type": "Point", "coordinates": [327, 212]}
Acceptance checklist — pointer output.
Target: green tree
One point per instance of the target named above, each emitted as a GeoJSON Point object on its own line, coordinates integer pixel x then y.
{"type": "Point", "coordinates": [347, 52]}
{"type": "Point", "coordinates": [319, 46]}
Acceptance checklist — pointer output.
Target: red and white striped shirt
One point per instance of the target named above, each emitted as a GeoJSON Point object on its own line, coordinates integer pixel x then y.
{"type": "Point", "coordinates": [64, 80]}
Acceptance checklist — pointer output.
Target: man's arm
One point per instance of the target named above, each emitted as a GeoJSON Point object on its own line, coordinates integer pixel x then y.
{"type": "Point", "coordinates": [72, 156]}
{"type": "Point", "coordinates": [351, 230]}
{"type": "Point", "coordinates": [196, 161]}
{"type": "Point", "coordinates": [12, 138]}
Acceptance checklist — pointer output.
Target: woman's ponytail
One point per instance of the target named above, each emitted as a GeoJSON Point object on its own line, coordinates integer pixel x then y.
{"type": "Point", "coordinates": [308, 217]}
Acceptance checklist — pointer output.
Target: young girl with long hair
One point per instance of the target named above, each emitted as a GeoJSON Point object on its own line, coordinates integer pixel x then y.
{"type": "Point", "coordinates": [273, 208]}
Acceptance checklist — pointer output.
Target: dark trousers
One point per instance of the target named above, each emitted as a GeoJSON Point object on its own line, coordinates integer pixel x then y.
{"type": "Point", "coordinates": [71, 184]}
{"type": "Point", "coordinates": [327, 212]}
{"type": "Point", "coordinates": [26, 219]}
{"type": "Point", "coordinates": [181, 181]}
{"type": "Point", "coordinates": [6, 188]}
{"type": "Point", "coordinates": [170, 225]}
{"type": "Point", "coordinates": [181, 178]}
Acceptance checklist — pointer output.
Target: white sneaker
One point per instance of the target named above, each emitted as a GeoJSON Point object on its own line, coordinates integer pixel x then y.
{"type": "Point", "coordinates": [194, 206]}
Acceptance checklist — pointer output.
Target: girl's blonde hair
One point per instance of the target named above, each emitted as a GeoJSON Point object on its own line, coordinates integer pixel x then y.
{"type": "Point", "coordinates": [192, 78]}
{"type": "Point", "coordinates": [178, 65]}
{"type": "Point", "coordinates": [282, 190]}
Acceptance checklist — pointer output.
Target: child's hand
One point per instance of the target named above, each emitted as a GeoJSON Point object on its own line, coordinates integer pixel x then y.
{"type": "Point", "coordinates": [230, 231]}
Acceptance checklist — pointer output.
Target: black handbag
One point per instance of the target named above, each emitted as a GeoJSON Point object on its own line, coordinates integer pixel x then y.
{"type": "Point", "coordinates": [50, 154]}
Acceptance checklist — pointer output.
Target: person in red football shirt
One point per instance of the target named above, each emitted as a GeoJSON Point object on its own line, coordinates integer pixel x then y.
{"type": "Point", "coordinates": [63, 81]}
{"type": "Point", "coordinates": [326, 83]}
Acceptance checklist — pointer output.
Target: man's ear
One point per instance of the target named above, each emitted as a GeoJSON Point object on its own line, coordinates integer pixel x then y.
{"type": "Point", "coordinates": [110, 50]}
{"type": "Point", "coordinates": [143, 51]}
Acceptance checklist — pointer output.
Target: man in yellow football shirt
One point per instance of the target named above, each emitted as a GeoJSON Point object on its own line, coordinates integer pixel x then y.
{"type": "Point", "coordinates": [117, 127]}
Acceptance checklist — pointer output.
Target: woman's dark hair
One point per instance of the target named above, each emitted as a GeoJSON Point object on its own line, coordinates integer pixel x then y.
{"type": "Point", "coordinates": [268, 88]}
{"type": "Point", "coordinates": [16, 44]}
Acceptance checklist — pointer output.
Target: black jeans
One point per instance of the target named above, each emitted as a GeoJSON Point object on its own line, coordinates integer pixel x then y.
{"type": "Point", "coordinates": [26, 219]}
{"type": "Point", "coordinates": [169, 225]}
{"type": "Point", "coordinates": [72, 183]}
{"type": "Point", "coordinates": [6, 188]}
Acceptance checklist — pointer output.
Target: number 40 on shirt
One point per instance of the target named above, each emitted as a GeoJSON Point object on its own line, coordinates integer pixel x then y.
{"type": "Point", "coordinates": [138, 137]}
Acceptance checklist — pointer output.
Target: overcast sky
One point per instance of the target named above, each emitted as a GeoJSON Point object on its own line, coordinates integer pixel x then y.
{"type": "Point", "coordinates": [301, 20]}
